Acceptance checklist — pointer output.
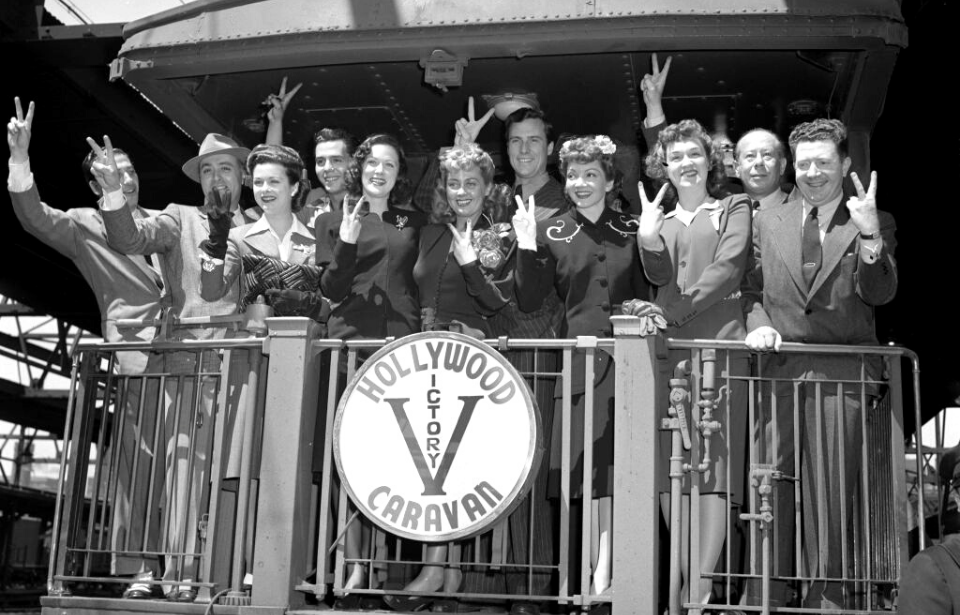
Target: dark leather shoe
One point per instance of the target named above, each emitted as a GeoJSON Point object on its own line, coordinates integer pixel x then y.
{"type": "Point", "coordinates": [447, 605]}
{"type": "Point", "coordinates": [183, 594]}
{"type": "Point", "coordinates": [524, 608]}
{"type": "Point", "coordinates": [136, 593]}
{"type": "Point", "coordinates": [407, 604]}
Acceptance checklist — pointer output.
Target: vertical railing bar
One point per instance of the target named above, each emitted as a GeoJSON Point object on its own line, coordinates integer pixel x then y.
{"type": "Point", "coordinates": [135, 464]}
{"type": "Point", "coordinates": [586, 488]}
{"type": "Point", "coordinates": [728, 510]}
{"type": "Point", "coordinates": [821, 494]}
{"type": "Point", "coordinates": [159, 452]}
{"type": "Point", "coordinates": [696, 477]}
{"type": "Point", "coordinates": [897, 448]}
{"type": "Point", "coordinates": [323, 530]}
{"type": "Point", "coordinates": [113, 468]}
{"type": "Point", "coordinates": [797, 471]}
{"type": "Point", "coordinates": [205, 439]}
{"type": "Point", "coordinates": [58, 558]}
{"type": "Point", "coordinates": [532, 507]}
{"type": "Point", "coordinates": [109, 388]}
{"type": "Point", "coordinates": [565, 472]}
{"type": "Point", "coordinates": [170, 481]}
{"type": "Point", "coordinates": [869, 570]}
{"type": "Point", "coordinates": [841, 412]}
{"type": "Point", "coordinates": [219, 453]}
{"type": "Point", "coordinates": [246, 459]}
{"type": "Point", "coordinates": [757, 440]}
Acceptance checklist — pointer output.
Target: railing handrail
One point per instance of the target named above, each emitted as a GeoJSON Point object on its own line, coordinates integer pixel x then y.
{"type": "Point", "coordinates": [189, 345]}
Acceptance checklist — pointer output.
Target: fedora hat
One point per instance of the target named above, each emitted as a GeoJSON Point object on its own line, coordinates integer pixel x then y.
{"type": "Point", "coordinates": [214, 143]}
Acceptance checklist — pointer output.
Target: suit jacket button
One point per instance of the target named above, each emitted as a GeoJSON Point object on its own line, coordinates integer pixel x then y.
{"type": "Point", "coordinates": [808, 311]}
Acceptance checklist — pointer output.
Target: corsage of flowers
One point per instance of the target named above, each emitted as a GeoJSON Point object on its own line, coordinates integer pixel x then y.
{"type": "Point", "coordinates": [488, 243]}
{"type": "Point", "coordinates": [584, 144]}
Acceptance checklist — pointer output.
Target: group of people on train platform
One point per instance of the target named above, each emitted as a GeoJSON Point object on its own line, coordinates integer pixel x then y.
{"type": "Point", "coordinates": [540, 258]}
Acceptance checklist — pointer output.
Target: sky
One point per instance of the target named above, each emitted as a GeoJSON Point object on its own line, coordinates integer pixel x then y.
{"type": "Point", "coordinates": [78, 12]}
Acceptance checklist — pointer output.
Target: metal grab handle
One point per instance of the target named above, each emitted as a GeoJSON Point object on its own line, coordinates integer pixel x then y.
{"type": "Point", "coordinates": [676, 422]}
{"type": "Point", "coordinates": [707, 426]}
{"type": "Point", "coordinates": [761, 476]}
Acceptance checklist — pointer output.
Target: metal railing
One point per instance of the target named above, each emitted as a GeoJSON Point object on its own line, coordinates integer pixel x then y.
{"type": "Point", "coordinates": [146, 465]}
{"type": "Point", "coordinates": [288, 527]}
{"type": "Point", "coordinates": [824, 510]}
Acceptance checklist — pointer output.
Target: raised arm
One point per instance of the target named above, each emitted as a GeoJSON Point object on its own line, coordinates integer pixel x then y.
{"type": "Point", "coordinates": [877, 269]}
{"type": "Point", "coordinates": [536, 268]}
{"type": "Point", "coordinates": [652, 87]}
{"type": "Point", "coordinates": [219, 273]}
{"type": "Point", "coordinates": [53, 227]}
{"type": "Point", "coordinates": [657, 266]}
{"type": "Point", "coordinates": [337, 251]}
{"type": "Point", "coordinates": [276, 107]}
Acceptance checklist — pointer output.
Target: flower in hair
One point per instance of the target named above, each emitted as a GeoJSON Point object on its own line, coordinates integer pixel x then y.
{"type": "Point", "coordinates": [584, 144]}
{"type": "Point", "coordinates": [605, 144]}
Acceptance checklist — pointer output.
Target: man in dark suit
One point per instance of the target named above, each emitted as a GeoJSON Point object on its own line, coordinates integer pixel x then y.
{"type": "Point", "coordinates": [821, 264]}
{"type": "Point", "coordinates": [126, 287]}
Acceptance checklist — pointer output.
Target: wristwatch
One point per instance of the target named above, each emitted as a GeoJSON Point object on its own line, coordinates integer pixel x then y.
{"type": "Point", "coordinates": [873, 235]}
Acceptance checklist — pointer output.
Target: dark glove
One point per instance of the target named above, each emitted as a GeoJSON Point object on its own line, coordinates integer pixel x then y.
{"type": "Point", "coordinates": [218, 213]}
{"type": "Point", "coordinates": [288, 302]}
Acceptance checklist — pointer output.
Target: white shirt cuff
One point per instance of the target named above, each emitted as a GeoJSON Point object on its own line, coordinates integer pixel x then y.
{"type": "Point", "coordinates": [653, 120]}
{"type": "Point", "coordinates": [20, 178]}
{"type": "Point", "coordinates": [113, 201]}
{"type": "Point", "coordinates": [871, 250]}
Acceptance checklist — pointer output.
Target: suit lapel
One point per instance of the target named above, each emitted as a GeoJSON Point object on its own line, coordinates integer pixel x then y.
{"type": "Point", "coordinates": [787, 233]}
{"type": "Point", "coordinates": [246, 216]}
{"type": "Point", "coordinates": [262, 243]}
{"type": "Point", "coordinates": [840, 233]}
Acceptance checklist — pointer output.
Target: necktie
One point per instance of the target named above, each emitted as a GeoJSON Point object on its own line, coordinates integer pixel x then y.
{"type": "Point", "coordinates": [811, 249]}
{"type": "Point", "coordinates": [158, 278]}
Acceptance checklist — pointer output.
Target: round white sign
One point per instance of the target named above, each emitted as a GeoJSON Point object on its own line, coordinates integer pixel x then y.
{"type": "Point", "coordinates": [436, 437]}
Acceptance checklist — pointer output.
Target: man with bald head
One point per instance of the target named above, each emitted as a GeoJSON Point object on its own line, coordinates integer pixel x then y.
{"type": "Point", "coordinates": [761, 163]}
{"type": "Point", "coordinates": [761, 158]}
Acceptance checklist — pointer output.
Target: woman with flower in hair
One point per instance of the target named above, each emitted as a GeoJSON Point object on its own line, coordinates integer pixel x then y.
{"type": "Point", "coordinates": [589, 255]}
{"type": "Point", "coordinates": [463, 278]}
{"type": "Point", "coordinates": [696, 256]}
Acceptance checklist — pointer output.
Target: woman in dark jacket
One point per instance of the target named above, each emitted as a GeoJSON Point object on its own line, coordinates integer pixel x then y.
{"type": "Point", "coordinates": [589, 255]}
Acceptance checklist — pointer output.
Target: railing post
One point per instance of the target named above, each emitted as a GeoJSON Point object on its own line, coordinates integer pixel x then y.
{"type": "Point", "coordinates": [282, 552]}
{"type": "Point", "coordinates": [636, 508]}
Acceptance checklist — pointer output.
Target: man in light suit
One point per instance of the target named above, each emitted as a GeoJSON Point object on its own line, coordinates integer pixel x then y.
{"type": "Point", "coordinates": [176, 234]}
{"type": "Point", "coordinates": [126, 287]}
{"type": "Point", "coordinates": [821, 264]}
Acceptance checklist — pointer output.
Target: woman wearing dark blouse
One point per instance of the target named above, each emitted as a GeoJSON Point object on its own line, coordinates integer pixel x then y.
{"type": "Point", "coordinates": [696, 256]}
{"type": "Point", "coordinates": [462, 251]}
{"type": "Point", "coordinates": [367, 252]}
{"type": "Point", "coordinates": [464, 278]}
{"type": "Point", "coordinates": [589, 255]}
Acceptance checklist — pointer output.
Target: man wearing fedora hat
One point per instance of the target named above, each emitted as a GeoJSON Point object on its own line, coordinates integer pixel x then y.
{"type": "Point", "coordinates": [176, 235]}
